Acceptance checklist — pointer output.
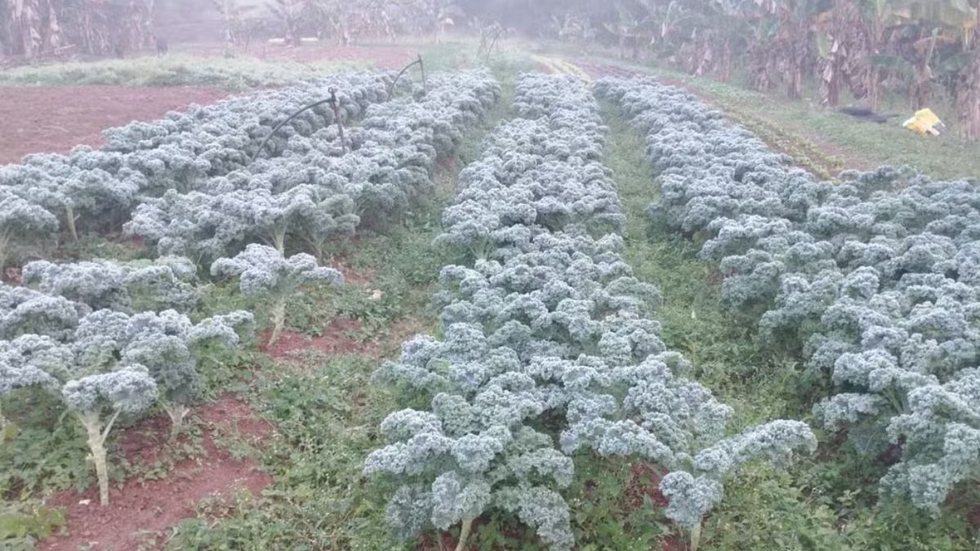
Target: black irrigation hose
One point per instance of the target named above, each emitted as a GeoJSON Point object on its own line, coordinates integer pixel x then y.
{"type": "Point", "coordinates": [333, 103]}
{"type": "Point", "coordinates": [331, 100]}
{"type": "Point", "coordinates": [421, 65]}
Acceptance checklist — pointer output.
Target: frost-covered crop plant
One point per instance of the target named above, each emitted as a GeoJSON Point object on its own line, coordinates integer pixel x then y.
{"type": "Point", "coordinates": [314, 191]}
{"type": "Point", "coordinates": [473, 453]}
{"type": "Point", "coordinates": [80, 191]}
{"type": "Point", "coordinates": [541, 174]}
{"type": "Point", "coordinates": [216, 131]}
{"type": "Point", "coordinates": [650, 411]}
{"type": "Point", "coordinates": [25, 311]}
{"type": "Point", "coordinates": [166, 283]}
{"type": "Point", "coordinates": [95, 189]}
{"type": "Point", "coordinates": [547, 337]}
{"type": "Point", "coordinates": [265, 273]}
{"type": "Point", "coordinates": [93, 384]}
{"type": "Point", "coordinates": [114, 363]}
{"type": "Point", "coordinates": [873, 277]}
{"type": "Point", "coordinates": [21, 221]}
{"type": "Point", "coordinates": [170, 346]}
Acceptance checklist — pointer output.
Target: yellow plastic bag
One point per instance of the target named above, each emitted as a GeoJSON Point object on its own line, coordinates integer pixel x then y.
{"type": "Point", "coordinates": [925, 122]}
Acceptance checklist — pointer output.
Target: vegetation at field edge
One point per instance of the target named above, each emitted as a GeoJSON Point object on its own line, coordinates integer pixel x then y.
{"type": "Point", "coordinates": [235, 74]}
{"type": "Point", "coordinates": [826, 141]}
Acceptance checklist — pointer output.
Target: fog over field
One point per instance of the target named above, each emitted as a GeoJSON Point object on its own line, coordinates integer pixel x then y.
{"type": "Point", "coordinates": [490, 274]}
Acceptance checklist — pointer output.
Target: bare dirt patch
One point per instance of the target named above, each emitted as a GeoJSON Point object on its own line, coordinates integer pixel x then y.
{"type": "Point", "coordinates": [337, 338]}
{"type": "Point", "coordinates": [56, 119]}
{"type": "Point", "coordinates": [342, 336]}
{"type": "Point", "coordinates": [353, 276]}
{"type": "Point", "coordinates": [644, 484]}
{"type": "Point", "coordinates": [143, 508]}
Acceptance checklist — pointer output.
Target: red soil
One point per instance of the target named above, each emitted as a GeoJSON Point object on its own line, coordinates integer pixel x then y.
{"type": "Point", "coordinates": [360, 278]}
{"type": "Point", "coordinates": [645, 483]}
{"type": "Point", "coordinates": [56, 119]}
{"type": "Point", "coordinates": [974, 517]}
{"type": "Point", "coordinates": [336, 339]}
{"type": "Point", "coordinates": [342, 337]}
{"type": "Point", "coordinates": [144, 508]}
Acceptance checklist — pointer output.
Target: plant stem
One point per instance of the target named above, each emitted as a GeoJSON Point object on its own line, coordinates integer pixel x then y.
{"type": "Point", "coordinates": [177, 413]}
{"type": "Point", "coordinates": [279, 240]}
{"type": "Point", "coordinates": [4, 249]}
{"type": "Point", "coordinates": [96, 445]}
{"type": "Point", "coordinates": [278, 320]}
{"type": "Point", "coordinates": [70, 218]}
{"type": "Point", "coordinates": [696, 537]}
{"type": "Point", "coordinates": [464, 534]}
{"type": "Point", "coordinates": [3, 426]}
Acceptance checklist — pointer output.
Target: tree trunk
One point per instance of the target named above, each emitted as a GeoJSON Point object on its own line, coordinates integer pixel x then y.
{"type": "Point", "coordinates": [874, 88]}
{"type": "Point", "coordinates": [921, 91]}
{"type": "Point", "coordinates": [970, 100]}
{"type": "Point", "coordinates": [874, 44]}
{"type": "Point", "coordinates": [726, 61]}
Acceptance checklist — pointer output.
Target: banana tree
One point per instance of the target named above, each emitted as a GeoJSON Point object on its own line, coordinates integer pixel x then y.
{"type": "Point", "coordinates": [32, 27]}
{"type": "Point", "coordinates": [878, 19]}
{"type": "Point", "coordinates": [943, 50]}
{"type": "Point", "coordinates": [968, 81]}
{"type": "Point", "coordinates": [633, 26]}
{"type": "Point", "coordinates": [291, 14]}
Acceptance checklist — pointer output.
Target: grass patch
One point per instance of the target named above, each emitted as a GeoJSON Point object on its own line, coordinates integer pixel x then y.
{"type": "Point", "coordinates": [505, 62]}
{"type": "Point", "coordinates": [235, 73]}
{"type": "Point", "coordinates": [726, 355]}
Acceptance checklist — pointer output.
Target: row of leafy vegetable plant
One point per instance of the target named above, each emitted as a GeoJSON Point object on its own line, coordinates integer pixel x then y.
{"type": "Point", "coordinates": [113, 339]}
{"type": "Point", "coordinates": [549, 351]}
{"type": "Point", "coordinates": [95, 190]}
{"type": "Point", "coordinates": [319, 189]}
{"type": "Point", "coordinates": [873, 280]}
